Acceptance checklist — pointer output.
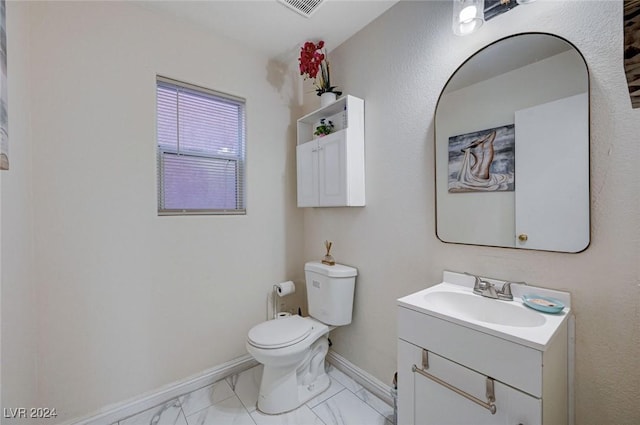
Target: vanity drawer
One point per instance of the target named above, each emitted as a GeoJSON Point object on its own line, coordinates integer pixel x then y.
{"type": "Point", "coordinates": [436, 403]}
{"type": "Point", "coordinates": [505, 361]}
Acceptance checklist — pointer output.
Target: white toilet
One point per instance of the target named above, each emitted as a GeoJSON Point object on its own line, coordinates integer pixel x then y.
{"type": "Point", "coordinates": [293, 349]}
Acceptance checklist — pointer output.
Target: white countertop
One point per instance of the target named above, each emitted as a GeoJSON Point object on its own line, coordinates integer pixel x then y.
{"type": "Point", "coordinates": [537, 337]}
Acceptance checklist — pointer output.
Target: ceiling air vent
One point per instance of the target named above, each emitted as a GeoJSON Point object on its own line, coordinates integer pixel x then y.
{"type": "Point", "coordinates": [304, 7]}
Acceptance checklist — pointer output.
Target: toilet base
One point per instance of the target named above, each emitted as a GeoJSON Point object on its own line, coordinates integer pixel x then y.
{"type": "Point", "coordinates": [271, 406]}
{"type": "Point", "coordinates": [307, 392]}
{"type": "Point", "coordinates": [284, 389]}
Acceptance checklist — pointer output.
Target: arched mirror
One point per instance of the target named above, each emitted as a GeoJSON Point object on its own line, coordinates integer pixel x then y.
{"type": "Point", "coordinates": [512, 147]}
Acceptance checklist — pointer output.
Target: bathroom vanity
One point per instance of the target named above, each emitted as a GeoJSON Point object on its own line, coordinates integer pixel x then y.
{"type": "Point", "coordinates": [467, 359]}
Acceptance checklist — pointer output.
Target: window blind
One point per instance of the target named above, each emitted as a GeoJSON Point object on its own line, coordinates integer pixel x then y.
{"type": "Point", "coordinates": [201, 150]}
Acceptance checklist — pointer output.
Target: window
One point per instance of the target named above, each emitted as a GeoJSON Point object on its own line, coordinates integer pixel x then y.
{"type": "Point", "coordinates": [201, 150]}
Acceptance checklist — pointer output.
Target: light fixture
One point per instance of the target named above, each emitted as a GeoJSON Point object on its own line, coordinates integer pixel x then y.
{"type": "Point", "coordinates": [468, 16]}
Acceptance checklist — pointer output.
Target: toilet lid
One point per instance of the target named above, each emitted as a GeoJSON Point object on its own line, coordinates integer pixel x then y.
{"type": "Point", "coordinates": [280, 333]}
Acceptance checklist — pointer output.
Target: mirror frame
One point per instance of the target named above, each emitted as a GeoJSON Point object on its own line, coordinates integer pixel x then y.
{"type": "Point", "coordinates": [435, 140]}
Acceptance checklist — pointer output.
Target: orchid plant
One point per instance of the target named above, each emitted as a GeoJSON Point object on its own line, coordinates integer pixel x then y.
{"type": "Point", "coordinates": [314, 64]}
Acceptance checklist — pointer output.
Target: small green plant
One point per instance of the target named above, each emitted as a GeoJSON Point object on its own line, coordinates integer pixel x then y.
{"type": "Point", "coordinates": [325, 127]}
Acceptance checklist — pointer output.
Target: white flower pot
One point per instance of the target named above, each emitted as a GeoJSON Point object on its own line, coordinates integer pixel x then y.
{"type": "Point", "coordinates": [327, 98]}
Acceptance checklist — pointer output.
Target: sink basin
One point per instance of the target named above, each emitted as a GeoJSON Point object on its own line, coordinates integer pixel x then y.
{"type": "Point", "coordinates": [475, 307]}
{"type": "Point", "coordinates": [453, 301]}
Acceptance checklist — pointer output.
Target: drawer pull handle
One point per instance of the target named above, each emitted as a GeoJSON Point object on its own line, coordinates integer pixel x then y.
{"type": "Point", "coordinates": [491, 398]}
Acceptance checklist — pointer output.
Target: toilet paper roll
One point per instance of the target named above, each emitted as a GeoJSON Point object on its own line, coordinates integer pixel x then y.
{"type": "Point", "coordinates": [282, 315]}
{"type": "Point", "coordinates": [285, 288]}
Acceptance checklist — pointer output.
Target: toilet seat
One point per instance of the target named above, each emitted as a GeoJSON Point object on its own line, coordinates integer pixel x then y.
{"type": "Point", "coordinates": [280, 333]}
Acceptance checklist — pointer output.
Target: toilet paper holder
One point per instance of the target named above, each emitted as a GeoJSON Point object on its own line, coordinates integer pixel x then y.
{"type": "Point", "coordinates": [281, 290]}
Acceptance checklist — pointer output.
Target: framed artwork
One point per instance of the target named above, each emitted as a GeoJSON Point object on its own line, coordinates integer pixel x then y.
{"type": "Point", "coordinates": [4, 117]}
{"type": "Point", "coordinates": [632, 49]}
{"type": "Point", "coordinates": [483, 161]}
{"type": "Point", "coordinates": [493, 8]}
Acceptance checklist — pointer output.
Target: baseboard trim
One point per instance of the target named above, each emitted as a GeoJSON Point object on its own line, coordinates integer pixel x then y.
{"type": "Point", "coordinates": [368, 381]}
{"type": "Point", "coordinates": [115, 412]}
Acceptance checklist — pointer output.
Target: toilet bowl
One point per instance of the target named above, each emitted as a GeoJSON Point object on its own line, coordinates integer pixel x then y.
{"type": "Point", "coordinates": [293, 349]}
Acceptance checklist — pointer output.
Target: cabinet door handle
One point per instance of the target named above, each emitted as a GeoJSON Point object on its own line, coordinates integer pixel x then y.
{"type": "Point", "coordinates": [491, 398]}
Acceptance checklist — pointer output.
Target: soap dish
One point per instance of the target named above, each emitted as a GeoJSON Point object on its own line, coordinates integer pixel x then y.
{"type": "Point", "coordinates": [543, 304]}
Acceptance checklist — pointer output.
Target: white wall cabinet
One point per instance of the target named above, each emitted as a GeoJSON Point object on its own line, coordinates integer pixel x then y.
{"type": "Point", "coordinates": [330, 169]}
{"type": "Point", "coordinates": [529, 385]}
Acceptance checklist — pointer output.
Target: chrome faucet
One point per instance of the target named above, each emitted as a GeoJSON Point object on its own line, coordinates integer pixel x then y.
{"type": "Point", "coordinates": [488, 289]}
{"type": "Point", "coordinates": [484, 288]}
{"type": "Point", "coordinates": [505, 292]}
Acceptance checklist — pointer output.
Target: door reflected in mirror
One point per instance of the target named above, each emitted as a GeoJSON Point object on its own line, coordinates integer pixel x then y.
{"type": "Point", "coordinates": [512, 147]}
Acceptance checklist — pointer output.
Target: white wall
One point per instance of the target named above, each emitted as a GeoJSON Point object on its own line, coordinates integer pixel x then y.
{"type": "Point", "coordinates": [399, 64]}
{"type": "Point", "coordinates": [129, 301]}
{"type": "Point", "coordinates": [19, 310]}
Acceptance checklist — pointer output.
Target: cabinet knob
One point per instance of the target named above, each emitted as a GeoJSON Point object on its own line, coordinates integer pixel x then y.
{"type": "Point", "coordinates": [523, 237]}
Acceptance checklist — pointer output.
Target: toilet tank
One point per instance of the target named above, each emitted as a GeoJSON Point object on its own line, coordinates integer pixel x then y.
{"type": "Point", "coordinates": [330, 292]}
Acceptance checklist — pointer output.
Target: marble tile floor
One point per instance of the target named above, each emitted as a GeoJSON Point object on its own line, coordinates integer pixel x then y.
{"type": "Point", "coordinates": [232, 401]}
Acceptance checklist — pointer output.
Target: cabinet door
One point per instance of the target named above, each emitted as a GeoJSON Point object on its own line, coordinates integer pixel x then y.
{"type": "Point", "coordinates": [307, 170]}
{"type": "Point", "coordinates": [552, 175]}
{"type": "Point", "coordinates": [332, 170]}
{"type": "Point", "coordinates": [435, 404]}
